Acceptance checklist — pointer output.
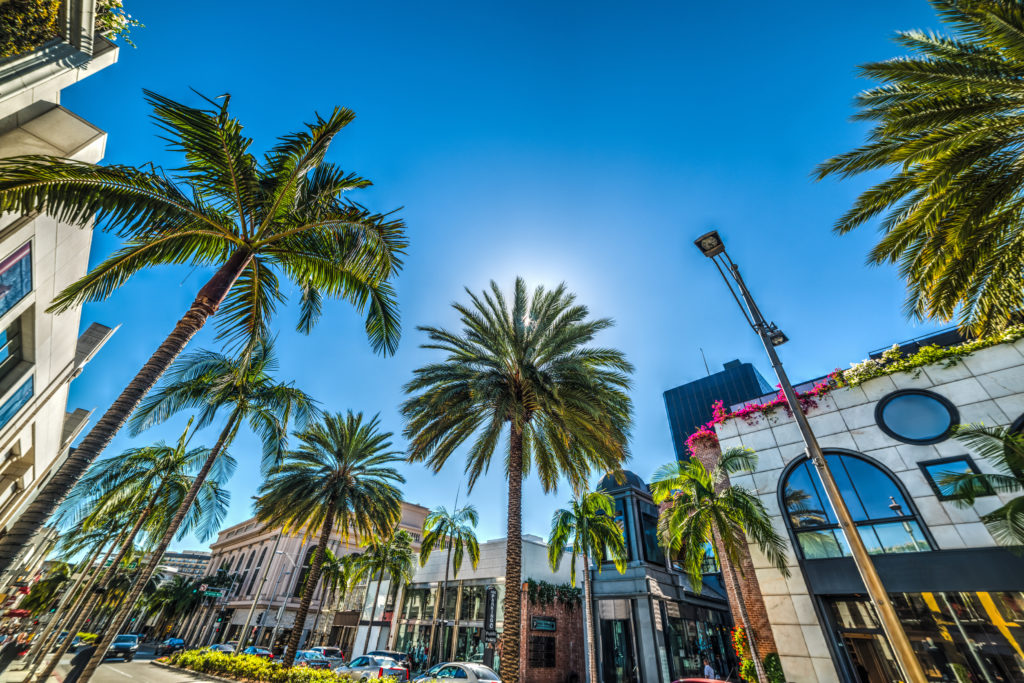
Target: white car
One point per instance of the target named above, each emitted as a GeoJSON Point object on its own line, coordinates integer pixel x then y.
{"type": "Point", "coordinates": [226, 648]}
{"type": "Point", "coordinates": [470, 672]}
{"type": "Point", "coordinates": [333, 654]}
{"type": "Point", "coordinates": [367, 667]}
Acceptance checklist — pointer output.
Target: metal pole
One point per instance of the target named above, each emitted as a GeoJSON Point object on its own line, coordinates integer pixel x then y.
{"type": "Point", "coordinates": [891, 625]}
{"type": "Point", "coordinates": [259, 591]}
{"type": "Point", "coordinates": [270, 603]}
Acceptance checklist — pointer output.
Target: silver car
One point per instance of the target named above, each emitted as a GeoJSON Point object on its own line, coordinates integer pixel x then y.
{"type": "Point", "coordinates": [470, 672]}
{"type": "Point", "coordinates": [367, 667]}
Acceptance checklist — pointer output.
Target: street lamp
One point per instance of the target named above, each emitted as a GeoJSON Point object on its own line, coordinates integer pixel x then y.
{"type": "Point", "coordinates": [259, 591]}
{"type": "Point", "coordinates": [284, 601]}
{"type": "Point", "coordinates": [711, 245]}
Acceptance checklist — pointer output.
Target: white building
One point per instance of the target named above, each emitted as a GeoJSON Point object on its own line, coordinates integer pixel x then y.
{"type": "Point", "coordinates": [41, 353]}
{"type": "Point", "coordinates": [888, 441]}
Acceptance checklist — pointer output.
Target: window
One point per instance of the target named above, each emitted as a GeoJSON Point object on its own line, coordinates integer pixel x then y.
{"type": "Point", "coordinates": [916, 416]}
{"type": "Point", "coordinates": [419, 603]}
{"type": "Point", "coordinates": [16, 402]}
{"type": "Point", "coordinates": [653, 552]}
{"type": "Point", "coordinates": [301, 583]}
{"type": "Point", "coordinates": [15, 277]}
{"type": "Point", "coordinates": [10, 348]}
{"type": "Point", "coordinates": [621, 521]}
{"type": "Point", "coordinates": [542, 652]}
{"type": "Point", "coordinates": [473, 600]}
{"type": "Point", "coordinates": [883, 516]}
{"type": "Point", "coordinates": [936, 472]}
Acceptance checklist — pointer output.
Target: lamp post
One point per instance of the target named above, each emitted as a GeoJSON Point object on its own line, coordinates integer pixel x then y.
{"type": "Point", "coordinates": [284, 601]}
{"type": "Point", "coordinates": [710, 244]}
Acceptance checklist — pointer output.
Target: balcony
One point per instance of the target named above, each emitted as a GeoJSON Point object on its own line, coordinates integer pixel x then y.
{"type": "Point", "coordinates": [46, 45]}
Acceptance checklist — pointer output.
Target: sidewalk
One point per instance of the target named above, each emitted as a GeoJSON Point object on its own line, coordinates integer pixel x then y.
{"type": "Point", "coordinates": [17, 675]}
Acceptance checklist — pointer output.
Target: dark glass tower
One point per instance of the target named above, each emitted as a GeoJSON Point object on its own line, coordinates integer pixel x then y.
{"type": "Point", "coordinates": [689, 405]}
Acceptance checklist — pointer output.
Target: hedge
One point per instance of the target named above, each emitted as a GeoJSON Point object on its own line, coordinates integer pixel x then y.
{"type": "Point", "coordinates": [252, 669]}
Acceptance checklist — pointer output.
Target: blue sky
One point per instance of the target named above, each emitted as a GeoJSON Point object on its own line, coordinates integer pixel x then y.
{"type": "Point", "coordinates": [586, 143]}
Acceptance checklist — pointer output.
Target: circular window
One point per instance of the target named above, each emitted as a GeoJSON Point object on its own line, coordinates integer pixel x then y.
{"type": "Point", "coordinates": [916, 416]}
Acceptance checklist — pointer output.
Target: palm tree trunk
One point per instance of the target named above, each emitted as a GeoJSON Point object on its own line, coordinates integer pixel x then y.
{"type": "Point", "coordinates": [309, 588]}
{"type": "Point", "coordinates": [741, 606]}
{"type": "Point", "coordinates": [47, 500]}
{"type": "Point", "coordinates": [373, 610]}
{"type": "Point", "coordinates": [509, 663]}
{"type": "Point", "coordinates": [122, 614]}
{"type": "Point", "coordinates": [319, 611]}
{"type": "Point", "coordinates": [93, 600]}
{"type": "Point", "coordinates": [50, 635]}
{"type": "Point", "coordinates": [444, 599]}
{"type": "Point", "coordinates": [588, 625]}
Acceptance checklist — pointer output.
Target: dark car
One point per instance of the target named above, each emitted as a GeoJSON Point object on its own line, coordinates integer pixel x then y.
{"type": "Point", "coordinates": [76, 643]}
{"type": "Point", "coordinates": [124, 646]}
{"type": "Point", "coordinates": [170, 646]}
{"type": "Point", "coordinates": [258, 652]}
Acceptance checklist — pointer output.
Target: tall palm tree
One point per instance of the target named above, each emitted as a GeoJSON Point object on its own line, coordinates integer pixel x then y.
{"type": "Point", "coordinates": [392, 555]}
{"type": "Point", "coordinates": [455, 532]}
{"type": "Point", "coordinates": [156, 478]}
{"type": "Point", "coordinates": [947, 130]}
{"type": "Point", "coordinates": [254, 220]}
{"type": "Point", "coordinates": [1004, 450]}
{"type": "Point", "coordinates": [340, 475]}
{"type": "Point", "coordinates": [210, 383]}
{"type": "Point", "coordinates": [527, 365]}
{"type": "Point", "coordinates": [337, 572]}
{"type": "Point", "coordinates": [700, 506]}
{"type": "Point", "coordinates": [45, 591]}
{"type": "Point", "coordinates": [588, 526]}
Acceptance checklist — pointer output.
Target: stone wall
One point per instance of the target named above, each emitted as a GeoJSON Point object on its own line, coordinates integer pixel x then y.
{"type": "Point", "coordinates": [986, 387]}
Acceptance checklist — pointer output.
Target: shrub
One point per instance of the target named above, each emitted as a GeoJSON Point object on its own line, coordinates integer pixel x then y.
{"type": "Point", "coordinates": [773, 668]}
{"type": "Point", "coordinates": [252, 668]}
{"type": "Point", "coordinates": [26, 24]}
{"type": "Point", "coordinates": [88, 637]}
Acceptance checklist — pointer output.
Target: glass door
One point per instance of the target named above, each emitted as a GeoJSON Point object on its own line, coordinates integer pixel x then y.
{"type": "Point", "coordinates": [617, 651]}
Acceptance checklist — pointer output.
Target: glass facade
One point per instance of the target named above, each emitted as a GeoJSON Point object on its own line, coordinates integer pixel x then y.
{"type": "Point", "coordinates": [460, 637]}
{"type": "Point", "coordinates": [15, 278]}
{"type": "Point", "coordinates": [693, 633]}
{"type": "Point", "coordinates": [958, 636]}
{"type": "Point", "coordinates": [884, 518]}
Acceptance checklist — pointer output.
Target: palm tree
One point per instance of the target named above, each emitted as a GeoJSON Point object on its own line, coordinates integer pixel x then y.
{"type": "Point", "coordinates": [209, 382]}
{"type": "Point", "coordinates": [340, 475]}
{"type": "Point", "coordinates": [156, 478]}
{"type": "Point", "coordinates": [700, 506]}
{"type": "Point", "coordinates": [253, 220]}
{"type": "Point", "coordinates": [946, 130]}
{"type": "Point", "coordinates": [456, 533]}
{"type": "Point", "coordinates": [337, 572]}
{"type": "Point", "coordinates": [527, 366]}
{"type": "Point", "coordinates": [45, 591]}
{"type": "Point", "coordinates": [1005, 451]}
{"type": "Point", "coordinates": [589, 527]}
{"type": "Point", "coordinates": [391, 555]}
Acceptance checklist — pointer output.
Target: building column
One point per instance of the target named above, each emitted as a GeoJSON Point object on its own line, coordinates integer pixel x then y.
{"type": "Point", "coordinates": [708, 455]}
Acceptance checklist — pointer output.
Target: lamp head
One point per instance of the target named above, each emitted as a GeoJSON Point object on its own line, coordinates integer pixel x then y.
{"type": "Point", "coordinates": [777, 336]}
{"type": "Point", "coordinates": [710, 244]}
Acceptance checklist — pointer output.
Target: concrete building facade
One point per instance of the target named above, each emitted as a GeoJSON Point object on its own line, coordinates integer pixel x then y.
{"type": "Point", "coordinates": [192, 564]}
{"type": "Point", "coordinates": [41, 353]}
{"type": "Point", "coordinates": [889, 444]}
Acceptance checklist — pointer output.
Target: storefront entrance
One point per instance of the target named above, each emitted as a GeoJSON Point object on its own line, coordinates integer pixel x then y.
{"type": "Point", "coordinates": [617, 656]}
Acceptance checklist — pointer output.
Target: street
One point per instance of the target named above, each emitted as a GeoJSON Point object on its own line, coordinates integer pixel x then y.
{"type": "Point", "coordinates": [140, 669]}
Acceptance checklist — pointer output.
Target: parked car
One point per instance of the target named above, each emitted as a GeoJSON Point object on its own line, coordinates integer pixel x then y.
{"type": "Point", "coordinates": [334, 655]}
{"type": "Point", "coordinates": [429, 673]}
{"type": "Point", "coordinates": [124, 646]}
{"type": "Point", "coordinates": [400, 657]}
{"type": "Point", "coordinates": [169, 646]}
{"type": "Point", "coordinates": [258, 652]}
{"type": "Point", "coordinates": [311, 660]}
{"type": "Point", "coordinates": [699, 680]}
{"type": "Point", "coordinates": [469, 672]}
{"type": "Point", "coordinates": [227, 648]}
{"type": "Point", "coordinates": [76, 642]}
{"type": "Point", "coordinates": [368, 667]}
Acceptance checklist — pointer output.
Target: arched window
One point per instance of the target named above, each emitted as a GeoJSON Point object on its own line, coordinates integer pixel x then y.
{"type": "Point", "coordinates": [885, 519]}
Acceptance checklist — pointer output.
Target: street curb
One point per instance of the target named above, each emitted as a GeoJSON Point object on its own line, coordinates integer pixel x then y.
{"type": "Point", "coordinates": [205, 677]}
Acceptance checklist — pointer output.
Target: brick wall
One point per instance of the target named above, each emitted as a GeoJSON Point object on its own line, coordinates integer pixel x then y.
{"type": "Point", "coordinates": [708, 455]}
{"type": "Point", "coordinates": [568, 636]}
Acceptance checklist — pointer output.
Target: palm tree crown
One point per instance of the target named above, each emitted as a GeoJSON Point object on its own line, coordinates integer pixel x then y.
{"type": "Point", "coordinates": [1004, 450]}
{"type": "Point", "coordinates": [947, 126]}
{"type": "Point", "coordinates": [455, 531]}
{"type": "Point", "coordinates": [588, 529]}
{"type": "Point", "coordinates": [698, 504]}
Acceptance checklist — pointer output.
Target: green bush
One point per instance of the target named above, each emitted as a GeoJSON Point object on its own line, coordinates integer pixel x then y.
{"type": "Point", "coordinates": [251, 668]}
{"type": "Point", "coordinates": [88, 637]}
{"type": "Point", "coordinates": [773, 668]}
{"type": "Point", "coordinates": [26, 24]}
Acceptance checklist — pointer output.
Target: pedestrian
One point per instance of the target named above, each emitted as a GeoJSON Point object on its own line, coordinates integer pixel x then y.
{"type": "Point", "coordinates": [79, 662]}
{"type": "Point", "coordinates": [708, 671]}
{"type": "Point", "coordinates": [10, 651]}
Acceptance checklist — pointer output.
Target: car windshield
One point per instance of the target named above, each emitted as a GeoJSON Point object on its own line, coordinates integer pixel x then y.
{"type": "Point", "coordinates": [125, 639]}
